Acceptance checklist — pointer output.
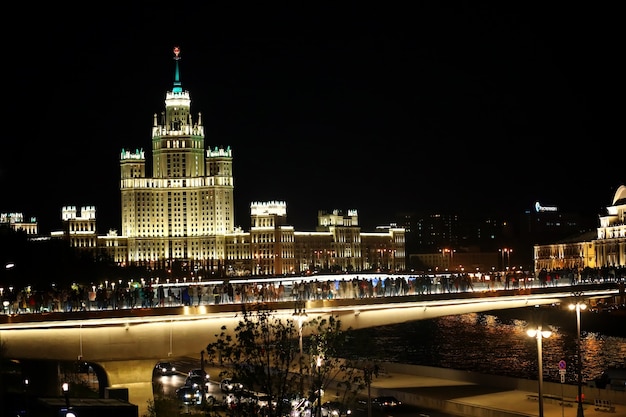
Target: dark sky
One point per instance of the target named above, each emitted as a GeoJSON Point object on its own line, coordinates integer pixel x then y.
{"type": "Point", "coordinates": [465, 108]}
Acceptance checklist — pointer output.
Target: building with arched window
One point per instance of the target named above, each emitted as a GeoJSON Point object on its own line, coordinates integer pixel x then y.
{"type": "Point", "coordinates": [603, 249]}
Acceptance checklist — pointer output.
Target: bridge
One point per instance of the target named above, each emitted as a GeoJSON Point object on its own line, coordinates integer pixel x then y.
{"type": "Point", "coordinates": [125, 344]}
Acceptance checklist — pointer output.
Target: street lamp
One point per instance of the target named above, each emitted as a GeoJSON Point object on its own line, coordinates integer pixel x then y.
{"type": "Point", "coordinates": [506, 251]}
{"type": "Point", "coordinates": [579, 305]}
{"type": "Point", "coordinates": [26, 396]}
{"type": "Point", "coordinates": [66, 393]}
{"type": "Point", "coordinates": [447, 258]}
{"type": "Point", "coordinates": [539, 334]}
{"type": "Point", "coordinates": [369, 370]}
{"type": "Point", "coordinates": [319, 386]}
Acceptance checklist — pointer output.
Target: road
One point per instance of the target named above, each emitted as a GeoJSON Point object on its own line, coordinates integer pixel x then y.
{"type": "Point", "coordinates": [169, 385]}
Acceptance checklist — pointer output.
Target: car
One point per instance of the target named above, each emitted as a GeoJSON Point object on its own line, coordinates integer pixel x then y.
{"type": "Point", "coordinates": [165, 368]}
{"type": "Point", "coordinates": [335, 409]}
{"type": "Point", "coordinates": [199, 372]}
{"type": "Point", "coordinates": [386, 402]}
{"type": "Point", "coordinates": [260, 399]}
{"type": "Point", "coordinates": [197, 381]}
{"type": "Point", "coordinates": [230, 385]}
{"type": "Point", "coordinates": [190, 395]}
{"type": "Point", "coordinates": [232, 400]}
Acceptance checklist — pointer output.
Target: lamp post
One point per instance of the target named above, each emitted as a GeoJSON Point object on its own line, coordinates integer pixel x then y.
{"type": "Point", "coordinates": [369, 370]}
{"type": "Point", "coordinates": [26, 396]}
{"type": "Point", "coordinates": [319, 387]}
{"type": "Point", "coordinates": [579, 305]}
{"type": "Point", "coordinates": [539, 334]}
{"type": "Point", "coordinates": [506, 251]}
{"type": "Point", "coordinates": [66, 393]}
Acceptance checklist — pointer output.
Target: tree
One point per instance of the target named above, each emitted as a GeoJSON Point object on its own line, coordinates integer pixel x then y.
{"type": "Point", "coordinates": [263, 353]}
{"type": "Point", "coordinates": [327, 367]}
{"type": "Point", "coordinates": [331, 369]}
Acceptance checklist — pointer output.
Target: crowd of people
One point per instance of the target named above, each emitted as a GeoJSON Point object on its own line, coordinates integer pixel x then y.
{"type": "Point", "coordinates": [154, 295]}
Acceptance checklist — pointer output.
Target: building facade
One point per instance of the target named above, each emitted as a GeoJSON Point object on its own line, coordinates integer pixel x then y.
{"type": "Point", "coordinates": [15, 221]}
{"type": "Point", "coordinates": [605, 249]}
{"type": "Point", "coordinates": [182, 214]}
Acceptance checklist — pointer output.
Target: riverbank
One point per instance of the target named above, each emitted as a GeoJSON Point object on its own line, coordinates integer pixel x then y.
{"type": "Point", "coordinates": [470, 394]}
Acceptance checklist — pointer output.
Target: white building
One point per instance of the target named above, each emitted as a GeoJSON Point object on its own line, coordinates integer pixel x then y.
{"type": "Point", "coordinates": [605, 249]}
{"type": "Point", "coordinates": [16, 221]}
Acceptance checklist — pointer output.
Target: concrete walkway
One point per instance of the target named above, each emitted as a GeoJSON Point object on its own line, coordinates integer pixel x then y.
{"type": "Point", "coordinates": [470, 399]}
{"type": "Point", "coordinates": [459, 396]}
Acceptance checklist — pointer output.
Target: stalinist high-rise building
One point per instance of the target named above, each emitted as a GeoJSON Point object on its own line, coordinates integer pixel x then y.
{"type": "Point", "coordinates": [186, 208]}
{"type": "Point", "coordinates": [182, 215]}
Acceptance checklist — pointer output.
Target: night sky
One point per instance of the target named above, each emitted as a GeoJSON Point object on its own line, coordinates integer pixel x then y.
{"type": "Point", "coordinates": [469, 109]}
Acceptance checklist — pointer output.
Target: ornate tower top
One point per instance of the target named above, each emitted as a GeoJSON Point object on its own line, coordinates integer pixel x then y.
{"type": "Point", "coordinates": [178, 88]}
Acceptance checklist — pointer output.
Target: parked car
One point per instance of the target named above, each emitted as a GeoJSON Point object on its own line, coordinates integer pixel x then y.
{"type": "Point", "coordinates": [385, 402]}
{"type": "Point", "coordinates": [165, 368]}
{"type": "Point", "coordinates": [335, 409]}
{"type": "Point", "coordinates": [190, 395]}
{"type": "Point", "coordinates": [247, 398]}
{"type": "Point", "coordinates": [230, 385]}
{"type": "Point", "coordinates": [260, 399]}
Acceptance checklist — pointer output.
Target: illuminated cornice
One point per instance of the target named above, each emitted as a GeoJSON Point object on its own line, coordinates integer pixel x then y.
{"type": "Point", "coordinates": [173, 99]}
{"type": "Point", "coordinates": [219, 152]}
{"type": "Point", "coordinates": [138, 155]}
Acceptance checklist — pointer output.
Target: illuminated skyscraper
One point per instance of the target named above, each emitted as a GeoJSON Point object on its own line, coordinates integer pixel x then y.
{"type": "Point", "coordinates": [182, 210]}
{"type": "Point", "coordinates": [181, 216]}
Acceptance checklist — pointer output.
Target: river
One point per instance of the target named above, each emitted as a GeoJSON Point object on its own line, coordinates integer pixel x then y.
{"type": "Point", "coordinates": [496, 343]}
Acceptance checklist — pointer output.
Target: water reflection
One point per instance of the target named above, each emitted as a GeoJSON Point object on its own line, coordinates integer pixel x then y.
{"type": "Point", "coordinates": [496, 345]}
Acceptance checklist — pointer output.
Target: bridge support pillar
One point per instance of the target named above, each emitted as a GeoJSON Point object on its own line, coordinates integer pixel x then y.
{"type": "Point", "coordinates": [136, 376]}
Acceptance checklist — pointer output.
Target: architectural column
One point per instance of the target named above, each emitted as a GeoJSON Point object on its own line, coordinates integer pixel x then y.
{"type": "Point", "coordinates": [134, 375]}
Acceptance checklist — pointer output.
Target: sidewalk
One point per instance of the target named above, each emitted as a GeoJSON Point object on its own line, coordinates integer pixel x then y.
{"type": "Point", "coordinates": [470, 399]}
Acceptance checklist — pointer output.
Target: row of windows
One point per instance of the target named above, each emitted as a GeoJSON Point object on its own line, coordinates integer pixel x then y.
{"type": "Point", "coordinates": [82, 226]}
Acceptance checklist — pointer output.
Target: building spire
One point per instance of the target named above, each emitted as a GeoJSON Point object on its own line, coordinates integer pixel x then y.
{"type": "Point", "coordinates": [177, 84]}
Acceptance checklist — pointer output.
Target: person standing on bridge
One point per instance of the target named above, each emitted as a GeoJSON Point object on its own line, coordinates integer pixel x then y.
{"type": "Point", "coordinates": [161, 295]}
{"type": "Point", "coordinates": [224, 294]}
{"type": "Point", "coordinates": [194, 294]}
{"type": "Point", "coordinates": [230, 290]}
{"type": "Point", "coordinates": [216, 293]}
